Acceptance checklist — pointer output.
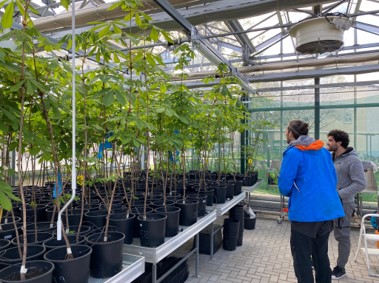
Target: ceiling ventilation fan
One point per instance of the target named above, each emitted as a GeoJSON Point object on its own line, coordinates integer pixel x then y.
{"type": "Point", "coordinates": [320, 34]}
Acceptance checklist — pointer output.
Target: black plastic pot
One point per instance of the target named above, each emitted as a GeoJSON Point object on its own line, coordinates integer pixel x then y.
{"type": "Point", "coordinates": [7, 220]}
{"type": "Point", "coordinates": [124, 225]}
{"type": "Point", "coordinates": [188, 211]}
{"type": "Point", "coordinates": [11, 255]}
{"type": "Point", "coordinates": [54, 243]}
{"type": "Point", "coordinates": [106, 257]}
{"type": "Point", "coordinates": [8, 231]}
{"type": "Point", "coordinates": [201, 207]}
{"type": "Point", "coordinates": [229, 190]}
{"type": "Point", "coordinates": [84, 229]}
{"type": "Point", "coordinates": [74, 215]}
{"type": "Point", "coordinates": [220, 194]}
{"type": "Point", "coordinates": [152, 229]}
{"type": "Point", "coordinates": [34, 238]}
{"type": "Point", "coordinates": [37, 213]}
{"type": "Point", "coordinates": [249, 223]}
{"type": "Point", "coordinates": [72, 270]}
{"type": "Point", "coordinates": [237, 187]}
{"type": "Point", "coordinates": [230, 234]}
{"type": "Point", "coordinates": [172, 221]}
{"type": "Point", "coordinates": [210, 196]}
{"type": "Point", "coordinates": [39, 271]}
{"type": "Point", "coordinates": [4, 244]}
{"type": "Point", "coordinates": [237, 213]}
{"type": "Point", "coordinates": [43, 226]}
{"type": "Point", "coordinates": [96, 217]}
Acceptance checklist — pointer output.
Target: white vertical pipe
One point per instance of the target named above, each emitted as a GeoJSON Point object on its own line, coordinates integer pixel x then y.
{"type": "Point", "coordinates": [73, 166]}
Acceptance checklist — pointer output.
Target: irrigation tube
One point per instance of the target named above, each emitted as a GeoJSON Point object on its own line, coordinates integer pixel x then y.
{"type": "Point", "coordinates": [73, 166]}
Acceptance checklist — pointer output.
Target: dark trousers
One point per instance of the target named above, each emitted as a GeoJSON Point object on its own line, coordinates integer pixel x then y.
{"type": "Point", "coordinates": [305, 250]}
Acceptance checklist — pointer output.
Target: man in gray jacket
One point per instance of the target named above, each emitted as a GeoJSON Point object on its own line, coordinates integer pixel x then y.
{"type": "Point", "coordinates": [351, 180]}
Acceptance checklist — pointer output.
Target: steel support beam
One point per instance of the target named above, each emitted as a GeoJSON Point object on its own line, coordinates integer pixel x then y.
{"type": "Point", "coordinates": [202, 44]}
{"type": "Point", "coordinates": [242, 38]}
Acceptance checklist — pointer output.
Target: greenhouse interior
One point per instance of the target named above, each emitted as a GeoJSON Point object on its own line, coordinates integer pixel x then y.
{"type": "Point", "coordinates": [136, 134]}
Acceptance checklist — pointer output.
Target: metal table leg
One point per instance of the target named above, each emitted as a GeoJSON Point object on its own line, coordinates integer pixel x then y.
{"type": "Point", "coordinates": [197, 256]}
{"type": "Point", "coordinates": [154, 273]}
{"type": "Point", "coordinates": [211, 241]}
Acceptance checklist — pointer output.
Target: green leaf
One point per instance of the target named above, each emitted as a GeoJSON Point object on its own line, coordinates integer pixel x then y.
{"type": "Point", "coordinates": [154, 35]}
{"type": "Point", "coordinates": [5, 202]}
{"type": "Point", "coordinates": [5, 195]}
{"type": "Point", "coordinates": [108, 98]}
{"type": "Point", "coordinates": [7, 18]}
{"type": "Point", "coordinates": [104, 31]}
{"type": "Point", "coordinates": [65, 3]}
{"type": "Point", "coordinates": [120, 98]}
{"type": "Point", "coordinates": [163, 88]}
{"type": "Point", "coordinates": [225, 91]}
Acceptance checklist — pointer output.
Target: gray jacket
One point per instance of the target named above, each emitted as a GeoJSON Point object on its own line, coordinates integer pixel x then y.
{"type": "Point", "coordinates": [350, 174]}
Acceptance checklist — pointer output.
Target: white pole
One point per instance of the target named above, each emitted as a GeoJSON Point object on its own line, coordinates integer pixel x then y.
{"type": "Point", "coordinates": [73, 166]}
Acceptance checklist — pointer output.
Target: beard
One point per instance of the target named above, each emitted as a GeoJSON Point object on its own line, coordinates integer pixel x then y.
{"type": "Point", "coordinates": [332, 148]}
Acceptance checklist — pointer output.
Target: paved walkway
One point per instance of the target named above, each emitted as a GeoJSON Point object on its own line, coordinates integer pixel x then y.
{"type": "Point", "coordinates": [265, 257]}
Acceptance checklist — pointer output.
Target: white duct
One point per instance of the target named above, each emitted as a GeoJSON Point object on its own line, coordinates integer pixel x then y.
{"type": "Point", "coordinates": [282, 65]}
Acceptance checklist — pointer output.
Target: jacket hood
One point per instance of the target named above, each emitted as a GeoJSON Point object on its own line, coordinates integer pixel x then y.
{"type": "Point", "coordinates": [349, 150]}
{"type": "Point", "coordinates": [307, 143]}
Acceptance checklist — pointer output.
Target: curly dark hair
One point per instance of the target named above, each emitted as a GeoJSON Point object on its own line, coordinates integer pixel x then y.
{"type": "Point", "coordinates": [298, 128]}
{"type": "Point", "coordinates": [340, 136]}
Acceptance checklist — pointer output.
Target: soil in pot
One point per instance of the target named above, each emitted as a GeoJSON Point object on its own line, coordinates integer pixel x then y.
{"type": "Point", "coordinates": [11, 255]}
{"type": "Point", "coordinates": [39, 271]}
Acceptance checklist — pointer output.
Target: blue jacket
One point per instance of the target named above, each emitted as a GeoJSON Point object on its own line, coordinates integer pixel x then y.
{"type": "Point", "coordinates": [308, 177]}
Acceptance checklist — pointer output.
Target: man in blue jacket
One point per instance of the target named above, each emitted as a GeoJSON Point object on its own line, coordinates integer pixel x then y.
{"type": "Point", "coordinates": [308, 177]}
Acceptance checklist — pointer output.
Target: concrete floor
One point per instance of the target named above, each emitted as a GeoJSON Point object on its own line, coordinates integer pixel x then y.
{"type": "Point", "coordinates": [265, 257]}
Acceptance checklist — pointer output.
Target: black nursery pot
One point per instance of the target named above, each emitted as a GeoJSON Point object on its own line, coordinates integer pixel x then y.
{"type": "Point", "coordinates": [72, 270]}
{"type": "Point", "coordinates": [230, 232]}
{"type": "Point", "coordinates": [34, 238]}
{"type": "Point", "coordinates": [97, 217]}
{"type": "Point", "coordinates": [106, 257]}
{"type": "Point", "coordinates": [188, 211]}
{"type": "Point", "coordinates": [11, 255]}
{"type": "Point", "coordinates": [8, 231]}
{"type": "Point", "coordinates": [124, 225]}
{"type": "Point", "coordinates": [39, 271]}
{"type": "Point", "coordinates": [237, 187]}
{"type": "Point", "coordinates": [54, 243]}
{"type": "Point", "coordinates": [202, 199]}
{"type": "Point", "coordinates": [172, 221]}
{"type": "Point", "coordinates": [220, 194]}
{"type": "Point", "coordinates": [152, 229]}
{"type": "Point", "coordinates": [43, 226]}
{"type": "Point", "coordinates": [4, 244]}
